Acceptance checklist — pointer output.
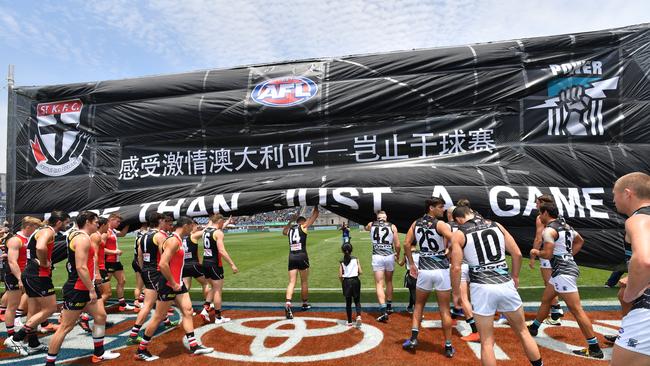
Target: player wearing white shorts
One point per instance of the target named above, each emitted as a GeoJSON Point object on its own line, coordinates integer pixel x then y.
{"type": "Point", "coordinates": [545, 264]}
{"type": "Point", "coordinates": [484, 244]}
{"type": "Point", "coordinates": [632, 198]}
{"type": "Point", "coordinates": [561, 243]}
{"type": "Point", "coordinates": [462, 305]}
{"type": "Point", "coordinates": [385, 252]}
{"type": "Point", "coordinates": [432, 269]}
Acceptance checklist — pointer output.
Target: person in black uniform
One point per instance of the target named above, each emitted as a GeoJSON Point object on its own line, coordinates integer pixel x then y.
{"type": "Point", "coordinates": [138, 291]}
{"type": "Point", "coordinates": [214, 250]}
{"type": "Point", "coordinates": [79, 291]}
{"type": "Point", "coordinates": [298, 259]}
{"type": "Point", "coordinates": [349, 272]}
{"type": "Point", "coordinates": [194, 269]}
{"type": "Point", "coordinates": [148, 258]}
{"type": "Point", "coordinates": [37, 282]}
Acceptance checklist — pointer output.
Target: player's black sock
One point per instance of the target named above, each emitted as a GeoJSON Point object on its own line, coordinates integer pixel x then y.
{"type": "Point", "coordinates": [537, 363]}
{"type": "Point", "coordinates": [217, 313]}
{"type": "Point", "coordinates": [593, 344]}
{"type": "Point", "coordinates": [20, 335]}
{"type": "Point", "coordinates": [389, 304]}
{"type": "Point", "coordinates": [414, 334]}
{"type": "Point", "coordinates": [472, 324]}
{"type": "Point", "coordinates": [555, 311]}
{"type": "Point", "coordinates": [535, 324]}
{"type": "Point", "coordinates": [32, 339]}
{"type": "Point", "coordinates": [206, 305]}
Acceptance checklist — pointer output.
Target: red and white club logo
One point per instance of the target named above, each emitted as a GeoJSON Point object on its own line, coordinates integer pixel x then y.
{"type": "Point", "coordinates": [57, 145]}
{"type": "Point", "coordinates": [299, 340]}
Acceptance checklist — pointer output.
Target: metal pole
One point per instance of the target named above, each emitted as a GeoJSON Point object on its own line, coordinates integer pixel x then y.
{"type": "Point", "coordinates": [11, 148]}
{"type": "Point", "coordinates": [10, 77]}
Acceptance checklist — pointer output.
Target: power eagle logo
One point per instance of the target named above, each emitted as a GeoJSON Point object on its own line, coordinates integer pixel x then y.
{"type": "Point", "coordinates": [57, 144]}
{"type": "Point", "coordinates": [575, 101]}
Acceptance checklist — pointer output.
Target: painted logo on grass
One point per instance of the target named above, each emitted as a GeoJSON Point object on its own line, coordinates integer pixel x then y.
{"type": "Point", "coordinates": [278, 339]}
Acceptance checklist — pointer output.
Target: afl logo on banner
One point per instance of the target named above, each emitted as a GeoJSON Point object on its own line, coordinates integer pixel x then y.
{"type": "Point", "coordinates": [285, 91]}
{"type": "Point", "coordinates": [57, 145]}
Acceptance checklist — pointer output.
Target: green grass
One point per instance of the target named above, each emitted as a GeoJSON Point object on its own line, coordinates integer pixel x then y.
{"type": "Point", "coordinates": [262, 262]}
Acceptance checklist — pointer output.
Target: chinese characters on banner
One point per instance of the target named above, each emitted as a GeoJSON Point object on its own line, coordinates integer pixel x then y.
{"type": "Point", "coordinates": [365, 148]}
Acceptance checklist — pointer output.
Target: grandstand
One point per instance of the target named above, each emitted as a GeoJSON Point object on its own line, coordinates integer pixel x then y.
{"type": "Point", "coordinates": [277, 219]}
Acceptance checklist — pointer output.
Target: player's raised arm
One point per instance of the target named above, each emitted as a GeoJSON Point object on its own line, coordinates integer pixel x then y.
{"type": "Point", "coordinates": [312, 218]}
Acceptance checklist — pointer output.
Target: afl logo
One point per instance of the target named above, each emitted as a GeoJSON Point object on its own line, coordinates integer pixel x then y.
{"type": "Point", "coordinates": [285, 91]}
{"type": "Point", "coordinates": [57, 145]}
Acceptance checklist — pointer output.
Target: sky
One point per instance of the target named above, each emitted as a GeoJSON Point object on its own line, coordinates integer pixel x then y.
{"type": "Point", "coordinates": [59, 42]}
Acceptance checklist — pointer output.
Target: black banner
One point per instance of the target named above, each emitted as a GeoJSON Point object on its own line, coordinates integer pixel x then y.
{"type": "Point", "coordinates": [498, 123]}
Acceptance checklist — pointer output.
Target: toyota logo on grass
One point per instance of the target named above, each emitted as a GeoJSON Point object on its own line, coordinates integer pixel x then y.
{"type": "Point", "coordinates": [285, 91]}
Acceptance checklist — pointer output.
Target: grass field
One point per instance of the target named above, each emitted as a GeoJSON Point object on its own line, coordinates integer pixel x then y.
{"type": "Point", "coordinates": [262, 262]}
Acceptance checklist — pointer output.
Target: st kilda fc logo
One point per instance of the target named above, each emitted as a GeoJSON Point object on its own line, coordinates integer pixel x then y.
{"type": "Point", "coordinates": [57, 144]}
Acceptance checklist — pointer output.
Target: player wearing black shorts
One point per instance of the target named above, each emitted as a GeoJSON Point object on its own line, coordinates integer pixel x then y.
{"type": "Point", "coordinates": [113, 253]}
{"type": "Point", "coordinates": [193, 268]}
{"type": "Point", "coordinates": [101, 278]}
{"type": "Point", "coordinates": [138, 291]}
{"type": "Point", "coordinates": [79, 291]}
{"type": "Point", "coordinates": [298, 259]}
{"type": "Point", "coordinates": [148, 258]}
{"type": "Point", "coordinates": [37, 282]}
{"type": "Point", "coordinates": [16, 262]}
{"type": "Point", "coordinates": [214, 250]}
{"type": "Point", "coordinates": [171, 288]}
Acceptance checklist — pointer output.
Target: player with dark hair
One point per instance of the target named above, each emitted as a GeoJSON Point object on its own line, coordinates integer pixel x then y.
{"type": "Point", "coordinates": [148, 258]}
{"type": "Point", "coordinates": [138, 290]}
{"type": "Point", "coordinates": [493, 288]}
{"type": "Point", "coordinates": [113, 265]}
{"type": "Point", "coordinates": [194, 269]}
{"type": "Point", "coordinates": [632, 198]}
{"type": "Point", "coordinates": [214, 250]}
{"type": "Point", "coordinates": [101, 275]}
{"type": "Point", "coordinates": [545, 264]}
{"type": "Point", "coordinates": [298, 260]}
{"type": "Point", "coordinates": [16, 262]}
{"type": "Point", "coordinates": [561, 243]}
{"type": "Point", "coordinates": [172, 288]}
{"type": "Point", "coordinates": [385, 252]}
{"type": "Point", "coordinates": [79, 291]}
{"type": "Point", "coordinates": [37, 282]}
{"type": "Point", "coordinates": [432, 269]}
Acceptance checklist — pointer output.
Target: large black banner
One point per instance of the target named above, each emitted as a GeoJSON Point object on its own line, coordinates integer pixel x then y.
{"type": "Point", "coordinates": [498, 123]}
